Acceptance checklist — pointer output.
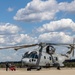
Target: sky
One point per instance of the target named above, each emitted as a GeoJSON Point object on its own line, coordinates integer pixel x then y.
{"type": "Point", "coordinates": [34, 21]}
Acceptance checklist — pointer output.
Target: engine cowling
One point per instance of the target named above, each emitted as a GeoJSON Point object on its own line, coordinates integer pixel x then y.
{"type": "Point", "coordinates": [50, 49]}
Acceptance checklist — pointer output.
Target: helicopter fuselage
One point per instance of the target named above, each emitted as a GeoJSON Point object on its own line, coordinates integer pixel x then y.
{"type": "Point", "coordinates": [30, 59]}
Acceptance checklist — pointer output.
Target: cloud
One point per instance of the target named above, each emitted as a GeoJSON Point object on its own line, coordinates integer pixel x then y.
{"type": "Point", "coordinates": [55, 37]}
{"type": "Point", "coordinates": [40, 10]}
{"type": "Point", "coordinates": [37, 10]}
{"type": "Point", "coordinates": [8, 28]}
{"type": "Point", "coordinates": [11, 34]}
{"type": "Point", "coordinates": [59, 25]}
{"type": "Point", "coordinates": [7, 32]}
{"type": "Point", "coordinates": [68, 7]}
{"type": "Point", "coordinates": [10, 9]}
{"type": "Point", "coordinates": [25, 39]}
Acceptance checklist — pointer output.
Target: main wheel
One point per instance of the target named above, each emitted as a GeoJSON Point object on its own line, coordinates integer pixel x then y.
{"type": "Point", "coordinates": [58, 66]}
{"type": "Point", "coordinates": [38, 68]}
{"type": "Point", "coordinates": [28, 69]}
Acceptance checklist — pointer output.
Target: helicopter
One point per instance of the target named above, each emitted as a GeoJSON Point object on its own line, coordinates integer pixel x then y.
{"type": "Point", "coordinates": [37, 59]}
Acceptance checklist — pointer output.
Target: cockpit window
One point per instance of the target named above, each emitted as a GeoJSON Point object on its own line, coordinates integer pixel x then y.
{"type": "Point", "coordinates": [26, 55]}
{"type": "Point", "coordinates": [32, 54]}
{"type": "Point", "coordinates": [36, 56]}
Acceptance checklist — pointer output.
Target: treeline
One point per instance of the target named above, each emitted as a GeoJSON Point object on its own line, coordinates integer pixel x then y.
{"type": "Point", "coordinates": [17, 64]}
{"type": "Point", "coordinates": [69, 63]}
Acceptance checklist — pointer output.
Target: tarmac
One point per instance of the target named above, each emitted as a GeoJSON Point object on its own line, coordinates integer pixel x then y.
{"type": "Point", "coordinates": [51, 71]}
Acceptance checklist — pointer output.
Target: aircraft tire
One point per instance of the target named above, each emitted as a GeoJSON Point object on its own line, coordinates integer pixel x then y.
{"type": "Point", "coordinates": [28, 69]}
{"type": "Point", "coordinates": [38, 68]}
{"type": "Point", "coordinates": [58, 66]}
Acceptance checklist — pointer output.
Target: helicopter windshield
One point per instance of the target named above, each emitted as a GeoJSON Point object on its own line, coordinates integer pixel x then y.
{"type": "Point", "coordinates": [26, 55]}
{"type": "Point", "coordinates": [32, 54]}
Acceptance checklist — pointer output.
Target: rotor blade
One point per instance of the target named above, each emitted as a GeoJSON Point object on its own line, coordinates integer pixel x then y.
{"type": "Point", "coordinates": [58, 44]}
{"type": "Point", "coordinates": [19, 47]}
{"type": "Point", "coordinates": [25, 46]}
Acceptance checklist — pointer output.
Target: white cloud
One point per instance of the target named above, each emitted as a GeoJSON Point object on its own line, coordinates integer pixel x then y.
{"type": "Point", "coordinates": [2, 40]}
{"type": "Point", "coordinates": [10, 9]}
{"type": "Point", "coordinates": [8, 28]}
{"type": "Point", "coordinates": [12, 34]}
{"type": "Point", "coordinates": [7, 32]}
{"type": "Point", "coordinates": [25, 38]}
{"type": "Point", "coordinates": [68, 7]}
{"type": "Point", "coordinates": [39, 10]}
{"type": "Point", "coordinates": [55, 37]}
{"type": "Point", "coordinates": [15, 37]}
{"type": "Point", "coordinates": [63, 24]}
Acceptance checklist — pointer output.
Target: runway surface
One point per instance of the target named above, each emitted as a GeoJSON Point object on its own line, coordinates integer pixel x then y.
{"type": "Point", "coordinates": [64, 71]}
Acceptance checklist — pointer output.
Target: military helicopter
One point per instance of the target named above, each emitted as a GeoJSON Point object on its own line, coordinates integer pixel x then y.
{"type": "Point", "coordinates": [37, 59]}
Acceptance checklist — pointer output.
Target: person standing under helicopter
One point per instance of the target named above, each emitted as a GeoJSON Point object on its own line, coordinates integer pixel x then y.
{"type": "Point", "coordinates": [7, 66]}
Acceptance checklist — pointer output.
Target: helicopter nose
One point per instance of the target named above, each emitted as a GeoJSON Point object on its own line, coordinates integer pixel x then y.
{"type": "Point", "coordinates": [25, 60]}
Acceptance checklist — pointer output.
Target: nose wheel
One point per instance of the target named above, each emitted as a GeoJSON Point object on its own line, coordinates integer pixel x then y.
{"type": "Point", "coordinates": [38, 68]}
{"type": "Point", "coordinates": [58, 66]}
{"type": "Point", "coordinates": [28, 69]}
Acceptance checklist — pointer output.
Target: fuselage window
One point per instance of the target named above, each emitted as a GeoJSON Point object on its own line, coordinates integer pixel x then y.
{"type": "Point", "coordinates": [50, 58]}
{"type": "Point", "coordinates": [36, 56]}
{"type": "Point", "coordinates": [56, 59]}
{"type": "Point", "coordinates": [44, 57]}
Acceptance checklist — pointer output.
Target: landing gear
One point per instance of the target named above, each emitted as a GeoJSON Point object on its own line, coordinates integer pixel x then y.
{"type": "Point", "coordinates": [38, 68]}
{"type": "Point", "coordinates": [29, 69]}
{"type": "Point", "coordinates": [58, 66]}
